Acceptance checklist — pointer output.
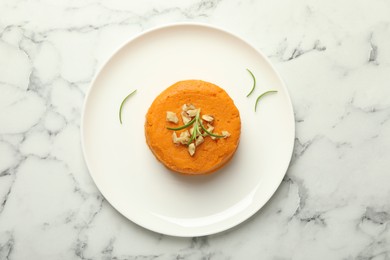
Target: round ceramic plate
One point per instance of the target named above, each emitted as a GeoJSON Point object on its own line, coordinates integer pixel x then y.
{"type": "Point", "coordinates": [125, 170]}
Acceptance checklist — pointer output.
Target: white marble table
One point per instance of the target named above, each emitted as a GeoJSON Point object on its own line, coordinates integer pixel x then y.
{"type": "Point", "coordinates": [334, 202]}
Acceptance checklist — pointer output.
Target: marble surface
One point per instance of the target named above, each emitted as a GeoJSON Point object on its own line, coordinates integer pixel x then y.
{"type": "Point", "coordinates": [334, 200]}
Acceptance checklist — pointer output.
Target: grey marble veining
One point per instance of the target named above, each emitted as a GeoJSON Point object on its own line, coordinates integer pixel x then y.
{"type": "Point", "coordinates": [333, 202]}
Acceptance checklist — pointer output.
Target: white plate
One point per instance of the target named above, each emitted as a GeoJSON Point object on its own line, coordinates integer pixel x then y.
{"type": "Point", "coordinates": [125, 170]}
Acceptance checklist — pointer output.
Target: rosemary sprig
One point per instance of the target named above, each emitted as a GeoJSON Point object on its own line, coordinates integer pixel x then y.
{"type": "Point", "coordinates": [123, 102]}
{"type": "Point", "coordinates": [197, 125]}
{"type": "Point", "coordinates": [262, 95]}
{"type": "Point", "coordinates": [254, 83]}
{"type": "Point", "coordinates": [209, 133]}
{"type": "Point", "coordinates": [183, 126]}
{"type": "Point", "coordinates": [196, 128]}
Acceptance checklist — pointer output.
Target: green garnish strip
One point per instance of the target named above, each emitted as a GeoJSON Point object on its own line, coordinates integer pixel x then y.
{"type": "Point", "coordinates": [262, 95]}
{"type": "Point", "coordinates": [196, 130]}
{"type": "Point", "coordinates": [183, 126]}
{"type": "Point", "coordinates": [253, 88]}
{"type": "Point", "coordinates": [254, 83]}
{"type": "Point", "coordinates": [209, 133]}
{"type": "Point", "coordinates": [123, 102]}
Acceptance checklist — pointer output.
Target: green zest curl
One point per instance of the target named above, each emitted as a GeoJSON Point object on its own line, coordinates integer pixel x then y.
{"type": "Point", "coordinates": [123, 102]}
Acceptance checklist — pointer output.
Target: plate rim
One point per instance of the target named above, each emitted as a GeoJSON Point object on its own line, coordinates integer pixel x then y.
{"type": "Point", "coordinates": [207, 26]}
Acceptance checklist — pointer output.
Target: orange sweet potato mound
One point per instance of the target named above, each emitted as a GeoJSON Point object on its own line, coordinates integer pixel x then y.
{"type": "Point", "coordinates": [210, 155]}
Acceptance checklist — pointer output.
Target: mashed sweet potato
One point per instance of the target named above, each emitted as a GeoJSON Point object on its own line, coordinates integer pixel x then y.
{"type": "Point", "coordinates": [210, 155]}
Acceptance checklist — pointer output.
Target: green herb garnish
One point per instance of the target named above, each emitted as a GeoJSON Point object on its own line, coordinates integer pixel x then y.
{"type": "Point", "coordinates": [124, 100]}
{"type": "Point", "coordinates": [209, 133]}
{"type": "Point", "coordinates": [183, 126]}
{"type": "Point", "coordinates": [197, 125]}
{"type": "Point", "coordinates": [254, 82]}
{"type": "Point", "coordinates": [262, 95]}
{"type": "Point", "coordinates": [195, 131]}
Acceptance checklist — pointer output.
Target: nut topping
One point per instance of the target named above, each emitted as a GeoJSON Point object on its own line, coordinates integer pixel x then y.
{"type": "Point", "coordinates": [199, 140]}
{"type": "Point", "coordinates": [185, 117]}
{"type": "Point", "coordinates": [226, 134]}
{"type": "Point", "coordinates": [186, 107]}
{"type": "Point", "coordinates": [191, 149]}
{"type": "Point", "coordinates": [171, 117]}
{"type": "Point", "coordinates": [196, 130]}
{"type": "Point", "coordinates": [174, 138]}
{"type": "Point", "coordinates": [192, 112]}
{"type": "Point", "coordinates": [184, 137]}
{"type": "Point", "coordinates": [208, 118]}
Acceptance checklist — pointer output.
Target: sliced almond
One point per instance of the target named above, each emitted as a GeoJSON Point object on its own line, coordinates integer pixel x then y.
{"type": "Point", "coordinates": [171, 117]}
{"type": "Point", "coordinates": [208, 118]}
{"type": "Point", "coordinates": [226, 134]}
{"type": "Point", "coordinates": [199, 140]}
{"type": "Point", "coordinates": [191, 149]}
{"type": "Point", "coordinates": [185, 117]}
